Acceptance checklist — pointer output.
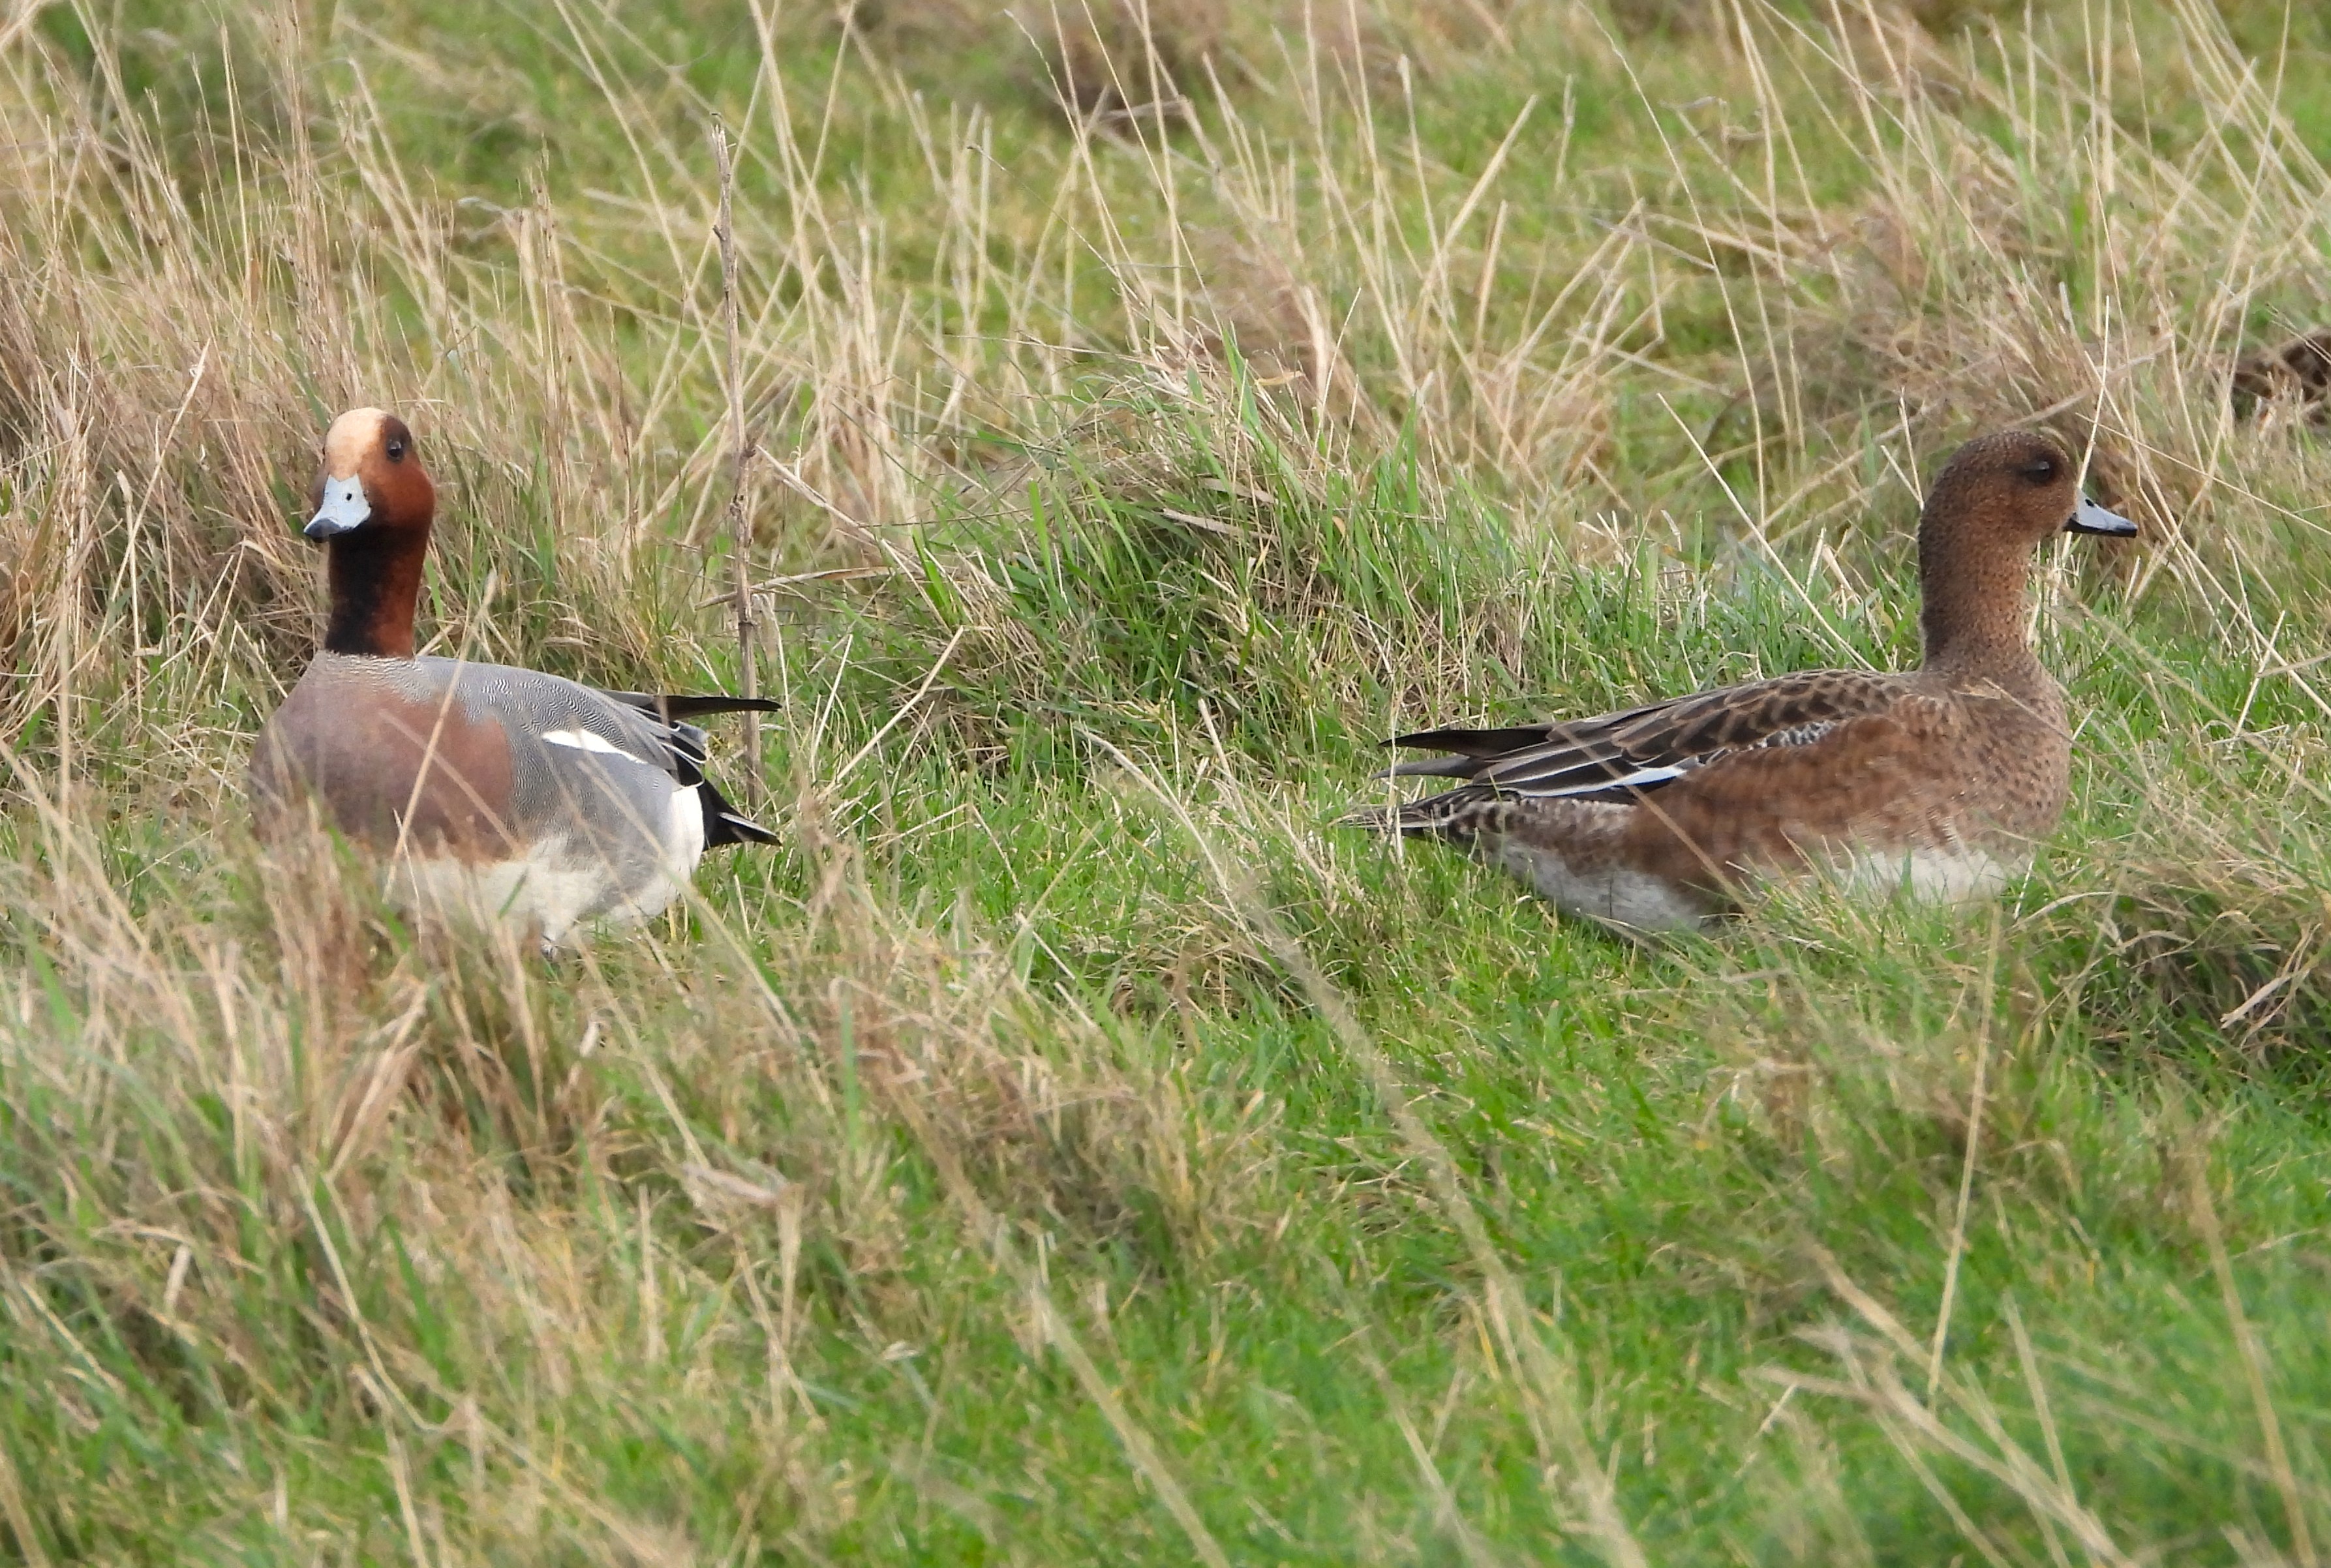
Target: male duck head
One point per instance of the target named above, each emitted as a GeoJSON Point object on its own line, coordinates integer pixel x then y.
{"type": "Point", "coordinates": [374, 505]}
{"type": "Point", "coordinates": [1996, 498]}
{"type": "Point", "coordinates": [498, 787]}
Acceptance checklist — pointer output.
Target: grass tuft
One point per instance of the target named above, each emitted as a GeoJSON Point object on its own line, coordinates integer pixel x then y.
{"type": "Point", "coordinates": [1067, 1135]}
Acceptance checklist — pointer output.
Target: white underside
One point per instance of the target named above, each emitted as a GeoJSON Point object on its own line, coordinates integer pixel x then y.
{"type": "Point", "coordinates": [1620, 897]}
{"type": "Point", "coordinates": [559, 883]}
{"type": "Point", "coordinates": [684, 838]}
{"type": "Point", "coordinates": [1954, 874]}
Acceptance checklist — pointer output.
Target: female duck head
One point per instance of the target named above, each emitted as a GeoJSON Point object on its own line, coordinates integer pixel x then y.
{"type": "Point", "coordinates": [1996, 498]}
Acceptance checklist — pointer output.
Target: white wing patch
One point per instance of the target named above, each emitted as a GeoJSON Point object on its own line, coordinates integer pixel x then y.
{"type": "Point", "coordinates": [1640, 778]}
{"type": "Point", "coordinates": [584, 740]}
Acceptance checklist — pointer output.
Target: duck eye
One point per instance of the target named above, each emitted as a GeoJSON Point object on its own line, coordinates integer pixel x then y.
{"type": "Point", "coordinates": [2042, 472]}
{"type": "Point", "coordinates": [396, 451]}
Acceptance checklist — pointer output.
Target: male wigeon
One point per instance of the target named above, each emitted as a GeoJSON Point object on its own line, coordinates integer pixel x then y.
{"type": "Point", "coordinates": [1934, 781]}
{"type": "Point", "coordinates": [502, 790]}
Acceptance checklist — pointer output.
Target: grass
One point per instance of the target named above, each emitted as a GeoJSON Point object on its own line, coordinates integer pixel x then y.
{"type": "Point", "coordinates": [1069, 1145]}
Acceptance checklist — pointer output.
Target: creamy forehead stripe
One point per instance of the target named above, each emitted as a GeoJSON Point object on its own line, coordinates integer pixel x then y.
{"type": "Point", "coordinates": [352, 437]}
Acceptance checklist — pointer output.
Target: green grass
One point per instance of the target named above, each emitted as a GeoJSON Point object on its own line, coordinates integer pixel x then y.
{"type": "Point", "coordinates": [1069, 1145]}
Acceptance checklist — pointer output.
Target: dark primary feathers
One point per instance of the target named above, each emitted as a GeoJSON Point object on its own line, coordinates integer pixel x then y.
{"type": "Point", "coordinates": [723, 824]}
{"type": "Point", "coordinates": [685, 748]}
{"type": "Point", "coordinates": [1620, 756]}
{"type": "Point", "coordinates": [668, 707]}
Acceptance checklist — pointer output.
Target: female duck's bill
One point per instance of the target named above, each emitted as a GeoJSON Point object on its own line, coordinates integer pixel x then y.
{"type": "Point", "coordinates": [2089, 518]}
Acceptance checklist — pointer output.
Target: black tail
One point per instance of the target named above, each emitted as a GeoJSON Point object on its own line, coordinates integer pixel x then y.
{"type": "Point", "coordinates": [1473, 748]}
{"type": "Point", "coordinates": [1475, 742]}
{"type": "Point", "coordinates": [723, 824]}
{"type": "Point", "coordinates": [668, 707]}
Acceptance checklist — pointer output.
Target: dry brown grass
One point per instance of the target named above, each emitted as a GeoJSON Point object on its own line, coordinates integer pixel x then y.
{"type": "Point", "coordinates": [1393, 418]}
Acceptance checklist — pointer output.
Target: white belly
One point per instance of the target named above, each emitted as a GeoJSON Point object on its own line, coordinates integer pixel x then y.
{"type": "Point", "coordinates": [560, 883]}
{"type": "Point", "coordinates": [1623, 897]}
{"type": "Point", "coordinates": [1953, 873]}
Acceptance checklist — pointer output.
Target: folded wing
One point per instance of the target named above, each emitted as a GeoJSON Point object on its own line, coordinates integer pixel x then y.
{"type": "Point", "coordinates": [1621, 757]}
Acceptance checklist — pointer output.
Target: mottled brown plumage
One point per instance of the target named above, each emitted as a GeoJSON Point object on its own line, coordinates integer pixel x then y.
{"type": "Point", "coordinates": [1938, 779]}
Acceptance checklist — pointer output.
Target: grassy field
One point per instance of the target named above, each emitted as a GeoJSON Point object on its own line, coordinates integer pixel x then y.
{"type": "Point", "coordinates": [1070, 1146]}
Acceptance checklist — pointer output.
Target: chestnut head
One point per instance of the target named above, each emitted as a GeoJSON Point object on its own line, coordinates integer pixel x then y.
{"type": "Point", "coordinates": [370, 478]}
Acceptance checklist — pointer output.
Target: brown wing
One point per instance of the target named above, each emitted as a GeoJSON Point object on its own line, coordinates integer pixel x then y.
{"type": "Point", "coordinates": [1620, 756]}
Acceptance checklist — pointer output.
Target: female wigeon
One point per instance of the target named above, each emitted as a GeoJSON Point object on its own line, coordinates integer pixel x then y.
{"type": "Point", "coordinates": [501, 790]}
{"type": "Point", "coordinates": [1936, 781]}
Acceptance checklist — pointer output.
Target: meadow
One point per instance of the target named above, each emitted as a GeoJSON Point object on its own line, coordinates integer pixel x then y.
{"type": "Point", "coordinates": [1070, 1145]}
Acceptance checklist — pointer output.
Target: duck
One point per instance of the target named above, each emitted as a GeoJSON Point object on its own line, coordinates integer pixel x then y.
{"type": "Point", "coordinates": [1935, 782]}
{"type": "Point", "coordinates": [490, 788]}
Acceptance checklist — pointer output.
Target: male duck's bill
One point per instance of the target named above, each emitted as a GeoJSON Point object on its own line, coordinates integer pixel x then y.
{"type": "Point", "coordinates": [343, 509]}
{"type": "Point", "coordinates": [1936, 781]}
{"type": "Point", "coordinates": [504, 790]}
